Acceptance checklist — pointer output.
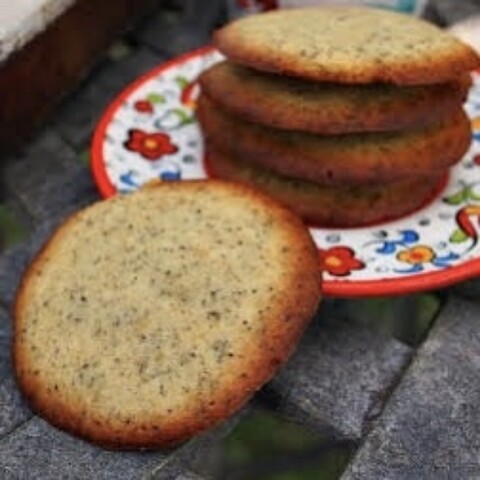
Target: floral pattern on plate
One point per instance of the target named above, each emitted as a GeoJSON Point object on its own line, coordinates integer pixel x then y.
{"type": "Point", "coordinates": [150, 132]}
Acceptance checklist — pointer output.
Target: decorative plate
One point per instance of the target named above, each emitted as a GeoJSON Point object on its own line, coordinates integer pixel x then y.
{"type": "Point", "coordinates": [150, 132]}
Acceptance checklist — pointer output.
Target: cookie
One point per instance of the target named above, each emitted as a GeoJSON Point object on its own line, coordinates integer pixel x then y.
{"type": "Point", "coordinates": [150, 317]}
{"type": "Point", "coordinates": [347, 45]}
{"type": "Point", "coordinates": [338, 159]}
{"type": "Point", "coordinates": [344, 206]}
{"type": "Point", "coordinates": [327, 108]}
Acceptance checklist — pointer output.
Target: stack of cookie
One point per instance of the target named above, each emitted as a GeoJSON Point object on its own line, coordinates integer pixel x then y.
{"type": "Point", "coordinates": [348, 115]}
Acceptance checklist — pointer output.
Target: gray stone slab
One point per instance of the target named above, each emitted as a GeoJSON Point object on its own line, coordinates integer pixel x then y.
{"type": "Point", "coordinates": [469, 289]}
{"type": "Point", "coordinates": [5, 342]}
{"type": "Point", "coordinates": [451, 11]}
{"type": "Point", "coordinates": [23, 218]}
{"type": "Point", "coordinates": [79, 113]}
{"type": "Point", "coordinates": [176, 472]}
{"type": "Point", "coordinates": [12, 264]}
{"type": "Point", "coordinates": [174, 33]}
{"type": "Point", "coordinates": [116, 75]}
{"type": "Point", "coordinates": [50, 202]}
{"type": "Point", "coordinates": [339, 375]}
{"type": "Point", "coordinates": [405, 317]}
{"type": "Point", "coordinates": [63, 194]}
{"type": "Point", "coordinates": [13, 409]}
{"type": "Point", "coordinates": [57, 199]}
{"type": "Point", "coordinates": [46, 155]}
{"type": "Point", "coordinates": [202, 454]}
{"type": "Point", "coordinates": [174, 40]}
{"type": "Point", "coordinates": [37, 451]}
{"type": "Point", "coordinates": [430, 428]}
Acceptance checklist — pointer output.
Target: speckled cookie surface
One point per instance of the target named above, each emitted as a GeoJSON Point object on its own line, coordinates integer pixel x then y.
{"type": "Point", "coordinates": [338, 159]}
{"type": "Point", "coordinates": [344, 206]}
{"type": "Point", "coordinates": [148, 318]}
{"type": "Point", "coordinates": [346, 45]}
{"type": "Point", "coordinates": [294, 104]}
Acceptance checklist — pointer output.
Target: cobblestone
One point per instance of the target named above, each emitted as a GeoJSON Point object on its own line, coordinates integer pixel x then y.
{"type": "Point", "coordinates": [431, 426]}
{"type": "Point", "coordinates": [47, 155]}
{"type": "Point", "coordinates": [338, 375]}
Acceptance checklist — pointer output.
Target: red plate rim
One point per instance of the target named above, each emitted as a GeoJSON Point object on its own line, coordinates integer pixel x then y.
{"type": "Point", "coordinates": [331, 288]}
{"type": "Point", "coordinates": [422, 282]}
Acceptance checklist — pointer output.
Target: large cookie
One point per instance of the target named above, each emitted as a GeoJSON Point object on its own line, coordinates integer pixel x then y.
{"type": "Point", "coordinates": [347, 45]}
{"type": "Point", "coordinates": [150, 317]}
{"type": "Point", "coordinates": [338, 159]}
{"type": "Point", "coordinates": [326, 108]}
{"type": "Point", "coordinates": [343, 206]}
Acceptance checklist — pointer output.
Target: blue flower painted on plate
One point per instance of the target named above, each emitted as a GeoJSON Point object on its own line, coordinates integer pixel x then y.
{"type": "Point", "coordinates": [170, 176]}
{"type": "Point", "coordinates": [129, 182]}
{"type": "Point", "coordinates": [170, 172]}
{"type": "Point", "coordinates": [388, 247]}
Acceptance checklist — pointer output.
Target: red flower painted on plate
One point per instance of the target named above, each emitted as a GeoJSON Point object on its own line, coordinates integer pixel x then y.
{"type": "Point", "coordinates": [340, 261]}
{"type": "Point", "coordinates": [143, 106]}
{"type": "Point", "coordinates": [151, 146]}
{"type": "Point", "coordinates": [476, 159]}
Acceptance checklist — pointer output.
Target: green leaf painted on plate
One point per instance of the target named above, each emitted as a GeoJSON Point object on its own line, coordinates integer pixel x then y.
{"type": "Point", "coordinates": [457, 198]}
{"type": "Point", "coordinates": [185, 118]}
{"type": "Point", "coordinates": [458, 236]}
{"type": "Point", "coordinates": [472, 195]}
{"type": "Point", "coordinates": [182, 82]}
{"type": "Point", "coordinates": [156, 98]}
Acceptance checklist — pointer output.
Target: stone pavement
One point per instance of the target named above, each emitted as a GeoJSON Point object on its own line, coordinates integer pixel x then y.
{"type": "Point", "coordinates": [409, 404]}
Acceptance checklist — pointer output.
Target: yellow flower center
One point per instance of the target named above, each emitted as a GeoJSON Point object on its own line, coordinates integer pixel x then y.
{"type": "Point", "coordinates": [150, 144]}
{"type": "Point", "coordinates": [333, 261]}
{"type": "Point", "coordinates": [417, 255]}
